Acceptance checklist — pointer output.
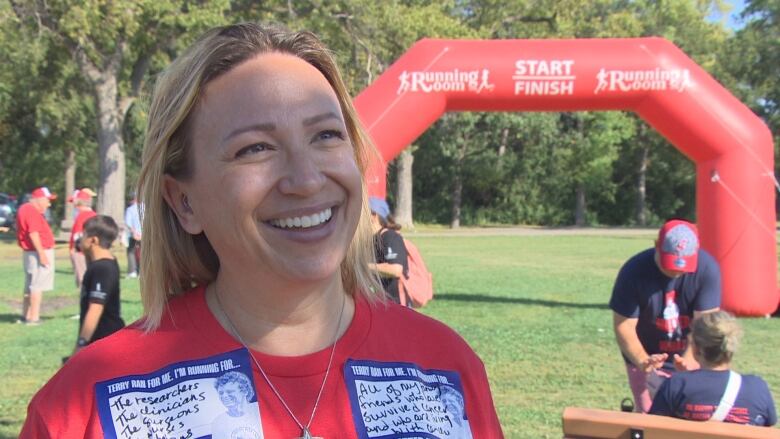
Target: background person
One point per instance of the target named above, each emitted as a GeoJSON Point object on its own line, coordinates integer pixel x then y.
{"type": "Point", "coordinates": [82, 202]}
{"type": "Point", "coordinates": [100, 314]}
{"type": "Point", "coordinates": [34, 236]}
{"type": "Point", "coordinates": [697, 394]}
{"type": "Point", "coordinates": [656, 295]}
{"type": "Point", "coordinates": [134, 232]}
{"type": "Point", "coordinates": [257, 240]}
{"type": "Point", "coordinates": [389, 249]}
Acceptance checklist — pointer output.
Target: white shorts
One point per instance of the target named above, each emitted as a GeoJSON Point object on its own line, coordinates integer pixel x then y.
{"type": "Point", "coordinates": [36, 276]}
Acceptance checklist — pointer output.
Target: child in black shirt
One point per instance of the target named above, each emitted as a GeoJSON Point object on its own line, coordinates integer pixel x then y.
{"type": "Point", "coordinates": [100, 307]}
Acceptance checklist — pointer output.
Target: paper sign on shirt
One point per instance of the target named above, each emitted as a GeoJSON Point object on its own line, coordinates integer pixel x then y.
{"type": "Point", "coordinates": [212, 397]}
{"type": "Point", "coordinates": [391, 400]}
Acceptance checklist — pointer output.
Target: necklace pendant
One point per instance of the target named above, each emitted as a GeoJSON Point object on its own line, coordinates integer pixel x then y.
{"type": "Point", "coordinates": [307, 435]}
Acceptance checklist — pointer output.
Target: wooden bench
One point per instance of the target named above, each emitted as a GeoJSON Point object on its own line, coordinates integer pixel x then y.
{"type": "Point", "coordinates": [581, 423]}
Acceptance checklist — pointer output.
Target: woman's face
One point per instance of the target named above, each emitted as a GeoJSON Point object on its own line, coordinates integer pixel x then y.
{"type": "Point", "coordinates": [231, 395]}
{"type": "Point", "coordinates": [275, 184]}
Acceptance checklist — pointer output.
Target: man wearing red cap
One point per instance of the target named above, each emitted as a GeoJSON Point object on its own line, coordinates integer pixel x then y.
{"type": "Point", "coordinates": [37, 241]}
{"type": "Point", "coordinates": [82, 201]}
{"type": "Point", "coordinates": [657, 294]}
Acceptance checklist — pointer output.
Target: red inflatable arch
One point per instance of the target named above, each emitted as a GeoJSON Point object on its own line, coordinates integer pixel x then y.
{"type": "Point", "coordinates": [731, 147]}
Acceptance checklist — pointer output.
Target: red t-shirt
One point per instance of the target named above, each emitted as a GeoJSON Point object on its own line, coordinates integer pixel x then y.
{"type": "Point", "coordinates": [29, 220]}
{"type": "Point", "coordinates": [394, 370]}
{"type": "Point", "coordinates": [78, 224]}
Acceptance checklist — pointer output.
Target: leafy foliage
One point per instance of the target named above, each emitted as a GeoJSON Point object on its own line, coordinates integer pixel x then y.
{"type": "Point", "coordinates": [506, 167]}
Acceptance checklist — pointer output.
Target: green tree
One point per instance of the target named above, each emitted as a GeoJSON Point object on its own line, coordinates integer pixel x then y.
{"type": "Point", "coordinates": [114, 44]}
{"type": "Point", "coordinates": [44, 119]}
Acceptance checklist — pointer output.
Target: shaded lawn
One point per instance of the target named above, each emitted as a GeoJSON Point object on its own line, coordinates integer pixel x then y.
{"type": "Point", "coordinates": [533, 307]}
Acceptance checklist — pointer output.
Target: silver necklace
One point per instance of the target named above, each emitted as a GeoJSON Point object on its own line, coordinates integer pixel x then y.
{"type": "Point", "coordinates": [305, 434]}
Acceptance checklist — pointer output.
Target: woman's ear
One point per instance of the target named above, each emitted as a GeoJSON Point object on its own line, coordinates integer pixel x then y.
{"type": "Point", "coordinates": [176, 197]}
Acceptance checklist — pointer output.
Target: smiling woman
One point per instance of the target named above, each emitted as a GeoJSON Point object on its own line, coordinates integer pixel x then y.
{"type": "Point", "coordinates": [257, 247]}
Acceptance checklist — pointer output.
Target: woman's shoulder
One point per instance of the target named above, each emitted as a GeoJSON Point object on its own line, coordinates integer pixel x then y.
{"type": "Point", "coordinates": [413, 319]}
{"type": "Point", "coordinates": [69, 393]}
{"type": "Point", "coordinates": [120, 353]}
{"type": "Point", "coordinates": [132, 349]}
{"type": "Point", "coordinates": [755, 382]}
{"type": "Point", "coordinates": [396, 323]}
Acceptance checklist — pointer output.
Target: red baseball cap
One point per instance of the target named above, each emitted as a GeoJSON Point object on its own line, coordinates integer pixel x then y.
{"type": "Point", "coordinates": [678, 246]}
{"type": "Point", "coordinates": [43, 192]}
{"type": "Point", "coordinates": [84, 194]}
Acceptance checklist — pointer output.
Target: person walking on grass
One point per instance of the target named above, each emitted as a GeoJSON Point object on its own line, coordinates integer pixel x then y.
{"type": "Point", "coordinates": [133, 225]}
{"type": "Point", "coordinates": [389, 250]}
{"type": "Point", "coordinates": [100, 314]}
{"type": "Point", "coordinates": [82, 201]}
{"type": "Point", "coordinates": [656, 295]}
{"type": "Point", "coordinates": [37, 242]}
{"type": "Point", "coordinates": [715, 392]}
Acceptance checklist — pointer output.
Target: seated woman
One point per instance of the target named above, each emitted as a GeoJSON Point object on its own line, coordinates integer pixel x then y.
{"type": "Point", "coordinates": [715, 392]}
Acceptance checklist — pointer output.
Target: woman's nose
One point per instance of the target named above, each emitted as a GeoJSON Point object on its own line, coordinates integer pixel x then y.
{"type": "Point", "coordinates": [302, 174]}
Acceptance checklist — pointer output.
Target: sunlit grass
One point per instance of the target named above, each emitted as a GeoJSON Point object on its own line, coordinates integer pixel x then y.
{"type": "Point", "coordinates": [533, 307]}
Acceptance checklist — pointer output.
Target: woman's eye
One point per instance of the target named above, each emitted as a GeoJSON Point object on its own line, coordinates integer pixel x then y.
{"type": "Point", "coordinates": [330, 134]}
{"type": "Point", "coordinates": [251, 149]}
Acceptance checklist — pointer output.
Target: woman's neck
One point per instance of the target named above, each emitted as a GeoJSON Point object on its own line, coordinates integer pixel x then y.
{"type": "Point", "coordinates": [279, 318]}
{"type": "Point", "coordinates": [710, 366]}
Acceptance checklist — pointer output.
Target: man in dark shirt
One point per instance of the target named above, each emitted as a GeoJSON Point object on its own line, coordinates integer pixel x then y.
{"type": "Point", "coordinates": [100, 306]}
{"type": "Point", "coordinates": [656, 295]}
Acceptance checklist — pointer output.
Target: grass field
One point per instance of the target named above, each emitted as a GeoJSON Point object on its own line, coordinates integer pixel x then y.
{"type": "Point", "coordinates": [533, 307]}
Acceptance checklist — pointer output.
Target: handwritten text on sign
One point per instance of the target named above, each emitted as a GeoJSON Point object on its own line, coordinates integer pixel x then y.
{"type": "Point", "coordinates": [178, 401]}
{"type": "Point", "coordinates": [404, 399]}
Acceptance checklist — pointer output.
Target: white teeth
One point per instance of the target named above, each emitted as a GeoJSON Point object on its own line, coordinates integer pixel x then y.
{"type": "Point", "coordinates": [303, 222]}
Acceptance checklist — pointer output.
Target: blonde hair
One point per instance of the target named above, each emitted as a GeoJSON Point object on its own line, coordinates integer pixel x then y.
{"type": "Point", "coordinates": [716, 336]}
{"type": "Point", "coordinates": [173, 261]}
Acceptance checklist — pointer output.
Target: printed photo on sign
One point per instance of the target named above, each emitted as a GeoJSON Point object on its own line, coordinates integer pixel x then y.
{"type": "Point", "coordinates": [395, 400]}
{"type": "Point", "coordinates": [208, 398]}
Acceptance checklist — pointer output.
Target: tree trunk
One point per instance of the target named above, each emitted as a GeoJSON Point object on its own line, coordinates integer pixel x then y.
{"type": "Point", "coordinates": [457, 184]}
{"type": "Point", "coordinates": [641, 186]}
{"type": "Point", "coordinates": [403, 205]}
{"type": "Point", "coordinates": [457, 196]}
{"type": "Point", "coordinates": [579, 212]}
{"type": "Point", "coordinates": [70, 186]}
{"type": "Point", "coordinates": [502, 148]}
{"type": "Point", "coordinates": [111, 190]}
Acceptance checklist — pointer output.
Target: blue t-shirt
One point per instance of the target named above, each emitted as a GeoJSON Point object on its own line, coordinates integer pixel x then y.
{"type": "Point", "coordinates": [664, 306]}
{"type": "Point", "coordinates": [695, 395]}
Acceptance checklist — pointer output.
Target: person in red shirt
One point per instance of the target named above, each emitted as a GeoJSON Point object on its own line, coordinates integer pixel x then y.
{"type": "Point", "coordinates": [82, 201]}
{"type": "Point", "coordinates": [255, 260]}
{"type": "Point", "coordinates": [37, 242]}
